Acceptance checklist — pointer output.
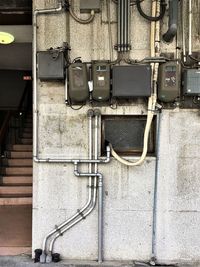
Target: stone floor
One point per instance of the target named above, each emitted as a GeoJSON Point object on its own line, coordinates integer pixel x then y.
{"type": "Point", "coordinates": [26, 261]}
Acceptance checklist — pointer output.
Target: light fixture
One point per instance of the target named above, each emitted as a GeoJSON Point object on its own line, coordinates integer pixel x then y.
{"type": "Point", "coordinates": [6, 38]}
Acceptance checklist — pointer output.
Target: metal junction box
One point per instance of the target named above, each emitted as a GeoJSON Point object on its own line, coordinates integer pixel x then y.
{"type": "Point", "coordinates": [89, 5]}
{"type": "Point", "coordinates": [51, 65]}
{"type": "Point", "coordinates": [101, 81]}
{"type": "Point", "coordinates": [169, 82]}
{"type": "Point", "coordinates": [191, 82]}
{"type": "Point", "coordinates": [131, 81]}
{"type": "Point", "coordinates": [78, 83]}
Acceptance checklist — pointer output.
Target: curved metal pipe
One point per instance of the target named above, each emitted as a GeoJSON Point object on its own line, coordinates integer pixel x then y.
{"type": "Point", "coordinates": [173, 21]}
{"type": "Point", "coordinates": [57, 229]}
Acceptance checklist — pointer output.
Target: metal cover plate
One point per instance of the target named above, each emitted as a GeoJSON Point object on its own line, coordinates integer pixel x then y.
{"type": "Point", "coordinates": [131, 81]}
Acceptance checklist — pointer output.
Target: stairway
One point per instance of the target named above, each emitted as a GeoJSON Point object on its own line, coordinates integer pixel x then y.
{"type": "Point", "coordinates": [16, 194]}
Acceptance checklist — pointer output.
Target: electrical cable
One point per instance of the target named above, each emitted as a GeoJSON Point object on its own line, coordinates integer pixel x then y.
{"type": "Point", "coordinates": [81, 21]}
{"type": "Point", "coordinates": [151, 18]}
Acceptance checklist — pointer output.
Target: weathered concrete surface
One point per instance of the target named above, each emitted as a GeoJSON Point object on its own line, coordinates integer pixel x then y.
{"type": "Point", "coordinates": [128, 192]}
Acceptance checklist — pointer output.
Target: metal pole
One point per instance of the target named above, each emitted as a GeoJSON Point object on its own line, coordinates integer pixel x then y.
{"type": "Point", "coordinates": [154, 228]}
{"type": "Point", "coordinates": [183, 31]}
{"type": "Point", "coordinates": [190, 29]}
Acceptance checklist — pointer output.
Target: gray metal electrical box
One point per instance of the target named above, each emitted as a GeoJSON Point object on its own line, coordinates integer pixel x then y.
{"type": "Point", "coordinates": [51, 65]}
{"type": "Point", "coordinates": [131, 81]}
{"type": "Point", "coordinates": [169, 82]}
{"type": "Point", "coordinates": [89, 5]}
{"type": "Point", "coordinates": [191, 82]}
{"type": "Point", "coordinates": [101, 81]}
{"type": "Point", "coordinates": [78, 83]}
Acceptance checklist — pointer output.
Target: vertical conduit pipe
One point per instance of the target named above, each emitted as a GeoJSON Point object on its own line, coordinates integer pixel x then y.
{"type": "Point", "coordinates": [100, 189]}
{"type": "Point", "coordinates": [125, 24]}
{"type": "Point", "coordinates": [83, 214]}
{"type": "Point", "coordinates": [183, 30]}
{"type": "Point", "coordinates": [190, 29]}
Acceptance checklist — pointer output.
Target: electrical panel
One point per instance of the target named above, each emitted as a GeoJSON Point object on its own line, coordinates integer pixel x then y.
{"type": "Point", "coordinates": [51, 65]}
{"type": "Point", "coordinates": [101, 81]}
{"type": "Point", "coordinates": [191, 86]}
{"type": "Point", "coordinates": [89, 5]}
{"type": "Point", "coordinates": [131, 81]}
{"type": "Point", "coordinates": [169, 85]}
{"type": "Point", "coordinates": [78, 83]}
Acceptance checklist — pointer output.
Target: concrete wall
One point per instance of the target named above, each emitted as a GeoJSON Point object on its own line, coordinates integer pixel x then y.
{"type": "Point", "coordinates": [128, 192]}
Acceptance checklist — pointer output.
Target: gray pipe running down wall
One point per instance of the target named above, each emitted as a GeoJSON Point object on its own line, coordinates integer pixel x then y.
{"type": "Point", "coordinates": [173, 21]}
{"type": "Point", "coordinates": [123, 25]}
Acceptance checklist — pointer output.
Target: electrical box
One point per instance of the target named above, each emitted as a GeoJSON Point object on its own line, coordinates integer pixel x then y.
{"type": "Point", "coordinates": [169, 82]}
{"type": "Point", "coordinates": [51, 65]}
{"type": "Point", "coordinates": [89, 5]}
{"type": "Point", "coordinates": [78, 83]}
{"type": "Point", "coordinates": [131, 81]}
{"type": "Point", "coordinates": [101, 81]}
{"type": "Point", "coordinates": [191, 82]}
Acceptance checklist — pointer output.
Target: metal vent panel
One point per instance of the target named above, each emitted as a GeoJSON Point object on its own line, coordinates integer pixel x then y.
{"type": "Point", "coordinates": [126, 133]}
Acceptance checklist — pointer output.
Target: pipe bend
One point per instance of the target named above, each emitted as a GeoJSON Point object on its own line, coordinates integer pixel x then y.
{"type": "Point", "coordinates": [171, 33]}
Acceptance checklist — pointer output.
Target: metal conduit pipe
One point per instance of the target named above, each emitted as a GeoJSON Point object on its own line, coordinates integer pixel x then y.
{"type": "Point", "coordinates": [35, 99]}
{"type": "Point", "coordinates": [183, 31]}
{"type": "Point", "coordinates": [57, 229]}
{"type": "Point", "coordinates": [190, 29]}
{"type": "Point", "coordinates": [173, 21]}
{"type": "Point", "coordinates": [84, 214]}
{"type": "Point", "coordinates": [100, 189]}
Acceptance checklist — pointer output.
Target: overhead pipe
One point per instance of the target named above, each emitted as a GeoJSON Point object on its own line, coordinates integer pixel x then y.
{"type": "Point", "coordinates": [173, 21]}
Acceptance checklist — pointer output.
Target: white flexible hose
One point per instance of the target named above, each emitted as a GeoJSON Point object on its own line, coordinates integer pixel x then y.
{"type": "Point", "coordinates": [150, 114]}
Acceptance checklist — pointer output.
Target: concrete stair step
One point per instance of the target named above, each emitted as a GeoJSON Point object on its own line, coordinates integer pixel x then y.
{"type": "Point", "coordinates": [17, 162]}
{"type": "Point", "coordinates": [27, 135]}
{"type": "Point", "coordinates": [17, 171]}
{"type": "Point", "coordinates": [27, 130]}
{"type": "Point", "coordinates": [15, 201]}
{"type": "Point", "coordinates": [26, 141]}
{"type": "Point", "coordinates": [20, 154]}
{"type": "Point", "coordinates": [15, 191]}
{"type": "Point", "coordinates": [16, 180]}
{"type": "Point", "coordinates": [28, 125]}
{"type": "Point", "coordinates": [20, 147]}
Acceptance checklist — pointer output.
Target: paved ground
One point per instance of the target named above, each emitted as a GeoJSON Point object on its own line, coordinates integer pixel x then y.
{"type": "Point", "coordinates": [26, 261]}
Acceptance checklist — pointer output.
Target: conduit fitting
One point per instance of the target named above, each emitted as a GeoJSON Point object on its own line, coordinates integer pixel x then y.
{"type": "Point", "coordinates": [97, 112]}
{"type": "Point", "coordinates": [173, 21]}
{"type": "Point", "coordinates": [90, 113]}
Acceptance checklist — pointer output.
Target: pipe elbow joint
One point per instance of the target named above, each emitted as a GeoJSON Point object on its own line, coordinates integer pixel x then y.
{"type": "Point", "coordinates": [76, 173]}
{"type": "Point", "coordinates": [170, 34]}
